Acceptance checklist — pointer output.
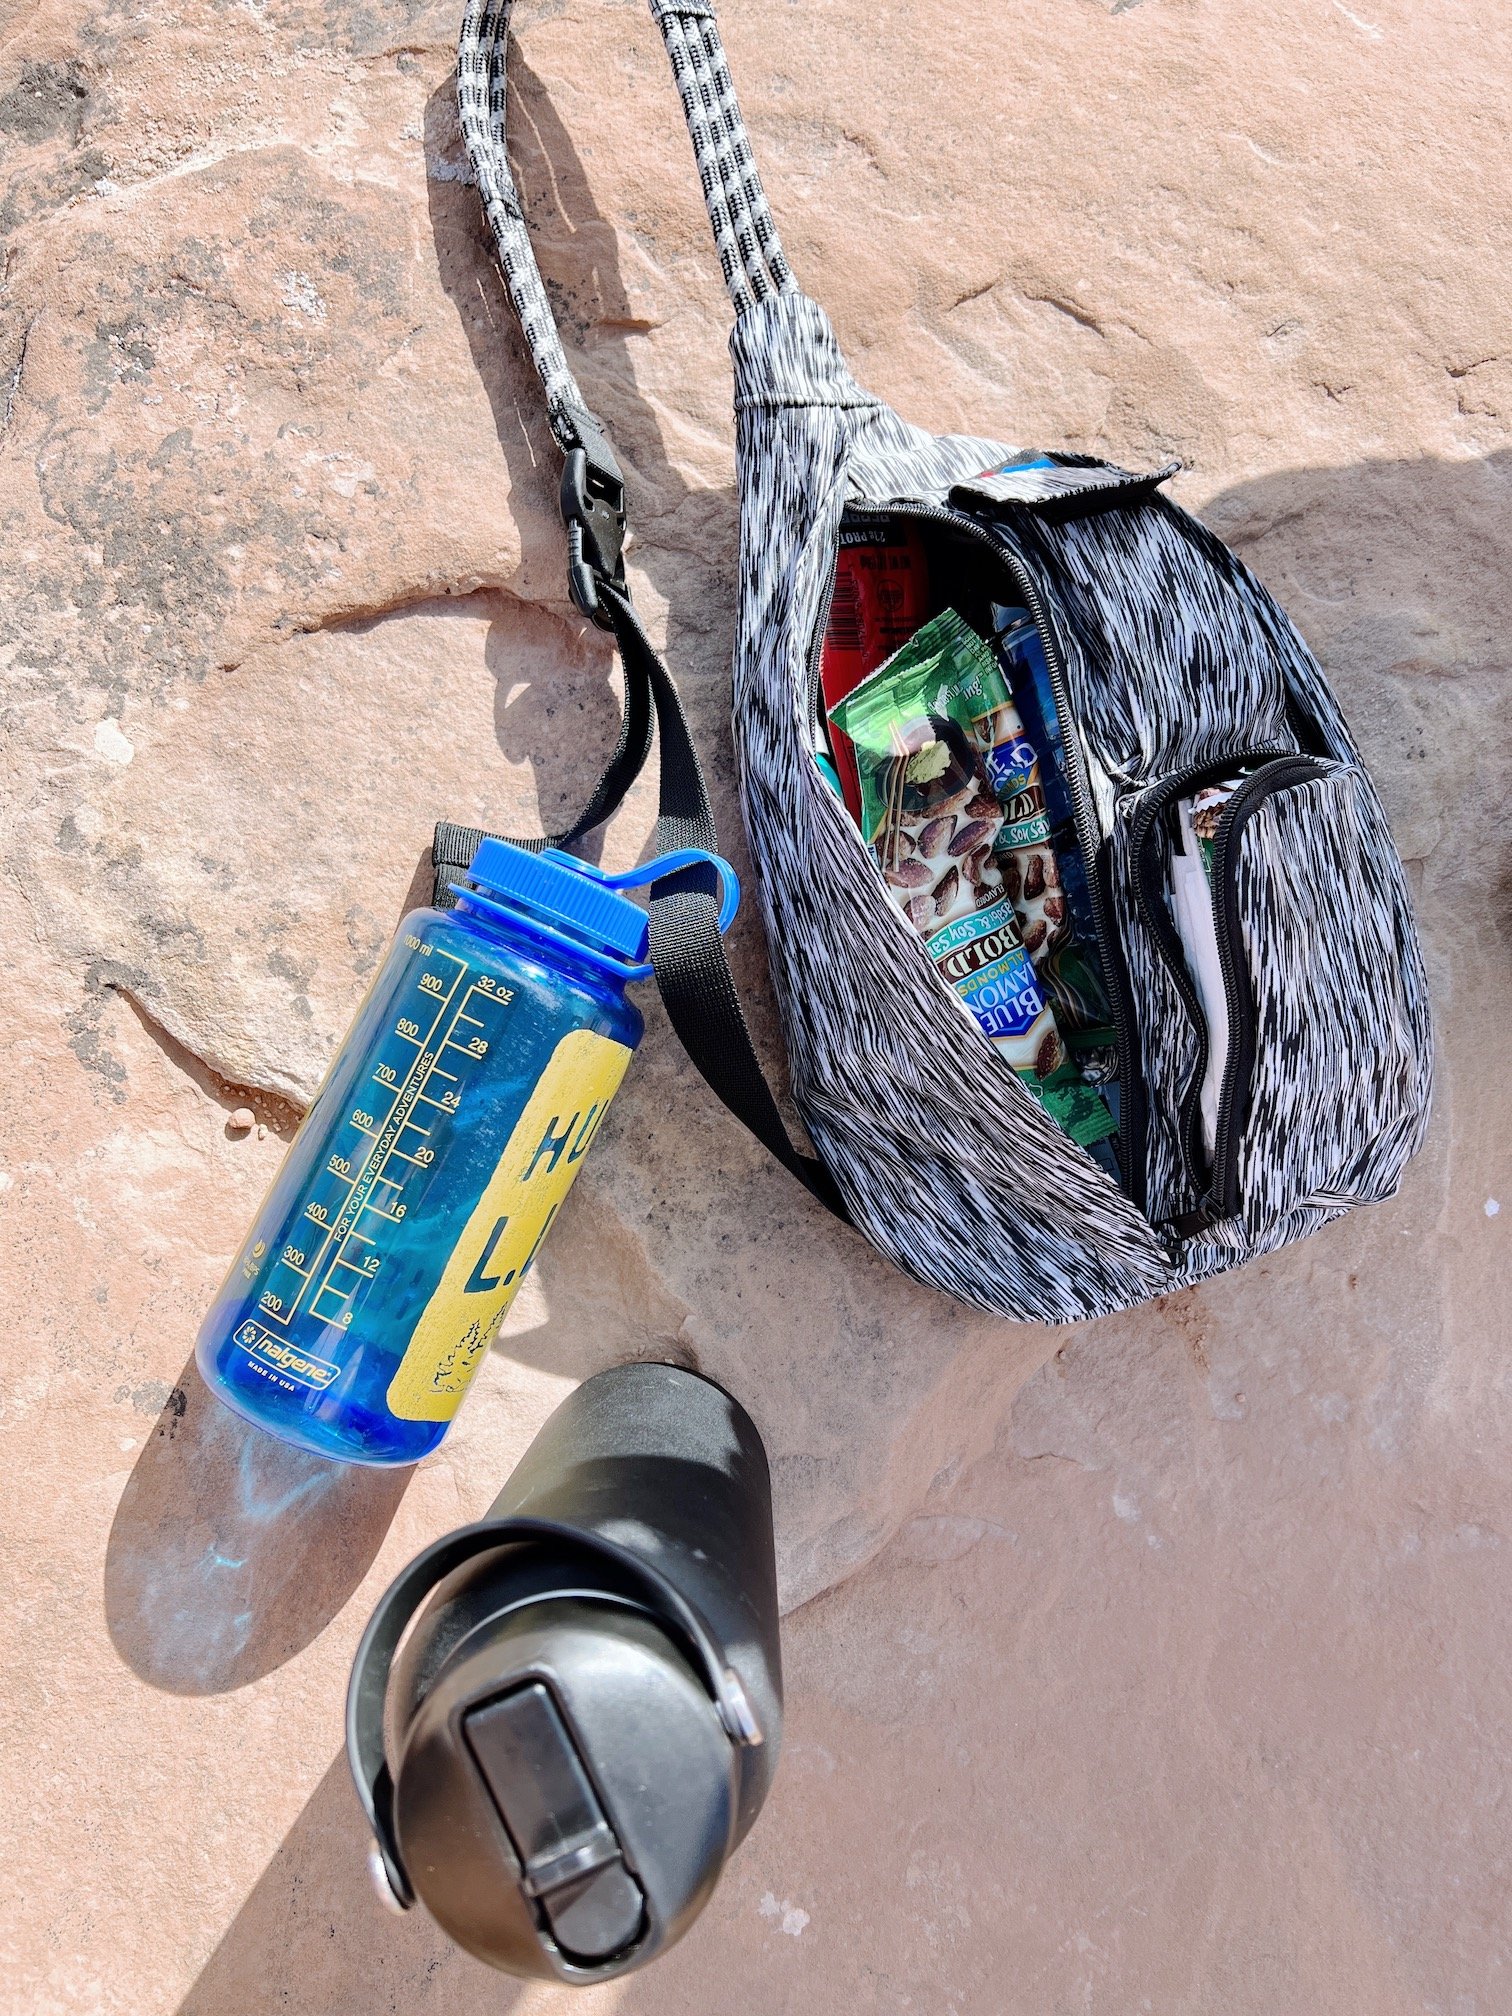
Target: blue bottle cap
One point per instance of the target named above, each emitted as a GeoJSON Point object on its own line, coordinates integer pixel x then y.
{"type": "Point", "coordinates": [564, 892]}
{"type": "Point", "coordinates": [564, 900]}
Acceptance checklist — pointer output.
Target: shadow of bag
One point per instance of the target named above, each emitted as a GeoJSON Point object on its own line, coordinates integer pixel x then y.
{"type": "Point", "coordinates": [1172, 668]}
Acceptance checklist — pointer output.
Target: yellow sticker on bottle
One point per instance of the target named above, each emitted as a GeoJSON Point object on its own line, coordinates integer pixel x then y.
{"type": "Point", "coordinates": [486, 1266]}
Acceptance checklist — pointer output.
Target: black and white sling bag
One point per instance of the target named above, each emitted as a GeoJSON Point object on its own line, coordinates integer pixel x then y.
{"type": "Point", "coordinates": [1257, 1099]}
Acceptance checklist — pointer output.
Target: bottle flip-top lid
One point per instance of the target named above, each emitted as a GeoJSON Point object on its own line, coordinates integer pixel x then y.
{"type": "Point", "coordinates": [562, 899]}
{"type": "Point", "coordinates": [565, 1793]}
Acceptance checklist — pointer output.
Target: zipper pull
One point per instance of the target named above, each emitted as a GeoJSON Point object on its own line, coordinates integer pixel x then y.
{"type": "Point", "coordinates": [1191, 1224]}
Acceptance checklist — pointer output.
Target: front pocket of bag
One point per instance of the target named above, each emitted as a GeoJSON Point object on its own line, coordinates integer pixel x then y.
{"type": "Point", "coordinates": [1317, 912]}
{"type": "Point", "coordinates": [1326, 1036]}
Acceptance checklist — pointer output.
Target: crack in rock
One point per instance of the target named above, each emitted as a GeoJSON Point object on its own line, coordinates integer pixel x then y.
{"type": "Point", "coordinates": [272, 1109]}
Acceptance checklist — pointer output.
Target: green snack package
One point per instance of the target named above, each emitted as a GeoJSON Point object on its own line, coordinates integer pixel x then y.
{"type": "Point", "coordinates": [934, 824]}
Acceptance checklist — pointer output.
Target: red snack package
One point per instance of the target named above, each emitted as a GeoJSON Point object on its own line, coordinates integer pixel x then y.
{"type": "Point", "coordinates": [881, 599]}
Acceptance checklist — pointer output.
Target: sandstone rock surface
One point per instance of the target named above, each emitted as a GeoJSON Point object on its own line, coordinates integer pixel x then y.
{"type": "Point", "coordinates": [1155, 1665]}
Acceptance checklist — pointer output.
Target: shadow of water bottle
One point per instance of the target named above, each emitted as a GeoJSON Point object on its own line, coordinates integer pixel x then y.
{"type": "Point", "coordinates": [231, 1550]}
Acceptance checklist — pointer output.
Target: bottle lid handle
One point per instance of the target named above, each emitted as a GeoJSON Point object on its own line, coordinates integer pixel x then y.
{"type": "Point", "coordinates": [657, 870]}
{"type": "Point", "coordinates": [670, 864]}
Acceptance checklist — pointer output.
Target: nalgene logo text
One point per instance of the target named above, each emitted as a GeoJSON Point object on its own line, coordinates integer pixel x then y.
{"type": "Point", "coordinates": [264, 1349]}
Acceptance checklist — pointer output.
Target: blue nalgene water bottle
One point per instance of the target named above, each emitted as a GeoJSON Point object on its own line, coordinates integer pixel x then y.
{"type": "Point", "coordinates": [435, 1157]}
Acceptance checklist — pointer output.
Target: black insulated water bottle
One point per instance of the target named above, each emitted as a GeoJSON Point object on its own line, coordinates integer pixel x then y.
{"type": "Point", "coordinates": [584, 1717]}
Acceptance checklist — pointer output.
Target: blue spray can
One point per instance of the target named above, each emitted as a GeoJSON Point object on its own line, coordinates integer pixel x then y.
{"type": "Point", "coordinates": [436, 1156]}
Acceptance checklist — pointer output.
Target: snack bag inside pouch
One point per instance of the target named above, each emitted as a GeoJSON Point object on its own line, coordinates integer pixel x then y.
{"type": "Point", "coordinates": [1027, 855]}
{"type": "Point", "coordinates": [881, 596]}
{"type": "Point", "coordinates": [933, 821]}
{"type": "Point", "coordinates": [1048, 886]}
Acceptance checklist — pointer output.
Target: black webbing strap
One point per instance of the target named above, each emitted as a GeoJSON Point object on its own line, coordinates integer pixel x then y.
{"type": "Point", "coordinates": [687, 953]}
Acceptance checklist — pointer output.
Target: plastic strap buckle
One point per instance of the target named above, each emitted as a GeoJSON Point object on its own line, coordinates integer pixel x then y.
{"type": "Point", "coordinates": [593, 510]}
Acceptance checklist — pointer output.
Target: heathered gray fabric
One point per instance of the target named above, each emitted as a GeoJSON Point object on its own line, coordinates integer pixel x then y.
{"type": "Point", "coordinates": [1173, 654]}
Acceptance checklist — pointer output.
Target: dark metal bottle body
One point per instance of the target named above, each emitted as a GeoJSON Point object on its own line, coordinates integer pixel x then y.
{"type": "Point", "coordinates": [551, 1661]}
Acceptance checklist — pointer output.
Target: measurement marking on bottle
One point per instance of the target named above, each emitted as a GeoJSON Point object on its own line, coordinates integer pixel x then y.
{"type": "Point", "coordinates": [353, 1182]}
{"type": "Point", "coordinates": [366, 1181]}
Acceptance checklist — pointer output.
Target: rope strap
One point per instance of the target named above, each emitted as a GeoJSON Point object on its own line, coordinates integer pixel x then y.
{"type": "Point", "coordinates": [750, 252]}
